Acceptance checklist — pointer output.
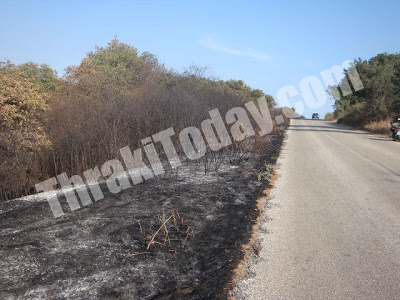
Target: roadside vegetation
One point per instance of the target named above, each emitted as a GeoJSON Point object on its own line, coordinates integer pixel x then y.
{"type": "Point", "coordinates": [378, 103]}
{"type": "Point", "coordinates": [329, 116]}
{"type": "Point", "coordinates": [178, 235]}
{"type": "Point", "coordinates": [115, 97]}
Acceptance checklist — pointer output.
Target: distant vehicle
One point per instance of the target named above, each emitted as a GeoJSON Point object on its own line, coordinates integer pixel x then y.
{"type": "Point", "coordinates": [296, 116]}
{"type": "Point", "coordinates": [315, 116]}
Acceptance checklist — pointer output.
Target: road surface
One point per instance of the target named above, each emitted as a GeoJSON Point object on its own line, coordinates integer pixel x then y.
{"type": "Point", "coordinates": [332, 226]}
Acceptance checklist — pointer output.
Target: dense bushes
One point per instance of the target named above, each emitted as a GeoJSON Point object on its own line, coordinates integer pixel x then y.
{"type": "Point", "coordinates": [380, 98]}
{"type": "Point", "coordinates": [23, 140]}
{"type": "Point", "coordinates": [114, 98]}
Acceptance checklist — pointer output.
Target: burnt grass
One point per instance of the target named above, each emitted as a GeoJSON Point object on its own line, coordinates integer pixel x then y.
{"type": "Point", "coordinates": [100, 251]}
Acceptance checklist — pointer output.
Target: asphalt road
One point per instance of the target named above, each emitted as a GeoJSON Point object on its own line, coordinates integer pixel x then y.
{"type": "Point", "coordinates": [332, 226]}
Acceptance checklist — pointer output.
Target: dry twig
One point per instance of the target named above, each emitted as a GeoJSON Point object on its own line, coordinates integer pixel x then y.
{"type": "Point", "coordinates": [137, 253]}
{"type": "Point", "coordinates": [152, 239]}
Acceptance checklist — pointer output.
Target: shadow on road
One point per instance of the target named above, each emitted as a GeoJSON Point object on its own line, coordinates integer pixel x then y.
{"type": "Point", "coordinates": [333, 129]}
{"type": "Point", "coordinates": [319, 126]}
{"type": "Point", "coordinates": [382, 139]}
{"type": "Point", "coordinates": [337, 128]}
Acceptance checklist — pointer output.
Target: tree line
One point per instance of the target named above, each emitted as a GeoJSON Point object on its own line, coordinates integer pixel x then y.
{"type": "Point", "coordinates": [115, 97]}
{"type": "Point", "coordinates": [379, 100]}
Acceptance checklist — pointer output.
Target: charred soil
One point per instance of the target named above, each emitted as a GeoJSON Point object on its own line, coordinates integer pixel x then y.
{"type": "Point", "coordinates": [179, 235]}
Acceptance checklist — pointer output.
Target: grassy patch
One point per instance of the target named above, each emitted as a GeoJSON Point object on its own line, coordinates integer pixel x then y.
{"type": "Point", "coordinates": [378, 127]}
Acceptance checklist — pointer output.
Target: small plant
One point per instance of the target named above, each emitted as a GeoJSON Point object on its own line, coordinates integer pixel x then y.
{"type": "Point", "coordinates": [266, 173]}
{"type": "Point", "coordinates": [172, 234]}
{"type": "Point", "coordinates": [238, 151]}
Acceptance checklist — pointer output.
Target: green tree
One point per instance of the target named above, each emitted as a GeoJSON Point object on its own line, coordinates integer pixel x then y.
{"type": "Point", "coordinates": [378, 100]}
{"type": "Point", "coordinates": [238, 85]}
{"type": "Point", "coordinates": [43, 74]}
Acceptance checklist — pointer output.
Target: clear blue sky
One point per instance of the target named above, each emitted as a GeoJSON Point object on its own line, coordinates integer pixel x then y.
{"type": "Point", "coordinates": [267, 44]}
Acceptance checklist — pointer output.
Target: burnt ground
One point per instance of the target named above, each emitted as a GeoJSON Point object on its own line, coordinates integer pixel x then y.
{"type": "Point", "coordinates": [100, 251]}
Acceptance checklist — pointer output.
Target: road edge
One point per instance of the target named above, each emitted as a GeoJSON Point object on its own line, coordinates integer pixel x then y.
{"type": "Point", "coordinates": [252, 247]}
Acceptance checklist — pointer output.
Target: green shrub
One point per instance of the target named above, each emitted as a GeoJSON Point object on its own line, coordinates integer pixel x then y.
{"type": "Point", "coordinates": [266, 173]}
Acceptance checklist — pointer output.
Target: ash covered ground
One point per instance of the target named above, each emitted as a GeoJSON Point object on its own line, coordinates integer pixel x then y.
{"type": "Point", "coordinates": [101, 251]}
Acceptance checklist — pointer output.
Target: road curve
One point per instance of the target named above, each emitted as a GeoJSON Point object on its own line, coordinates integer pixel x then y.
{"type": "Point", "coordinates": [332, 225]}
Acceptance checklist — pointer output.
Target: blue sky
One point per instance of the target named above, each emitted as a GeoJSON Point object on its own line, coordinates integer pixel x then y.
{"type": "Point", "coordinates": [267, 44]}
